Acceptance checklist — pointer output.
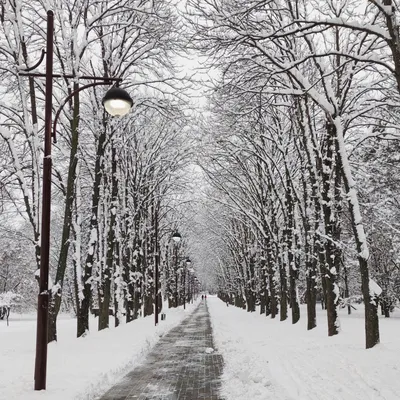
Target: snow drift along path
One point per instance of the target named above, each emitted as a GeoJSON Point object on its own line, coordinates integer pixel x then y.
{"type": "Point", "coordinates": [268, 359]}
{"type": "Point", "coordinates": [77, 369]}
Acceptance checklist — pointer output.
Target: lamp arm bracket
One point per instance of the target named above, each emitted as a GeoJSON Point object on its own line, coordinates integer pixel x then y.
{"type": "Point", "coordinates": [27, 69]}
{"type": "Point", "coordinates": [26, 72]}
{"type": "Point", "coordinates": [71, 95]}
{"type": "Point", "coordinates": [69, 76]}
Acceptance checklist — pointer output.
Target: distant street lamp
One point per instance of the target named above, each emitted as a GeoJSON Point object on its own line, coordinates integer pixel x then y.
{"type": "Point", "coordinates": [176, 237]}
{"type": "Point", "coordinates": [116, 102]}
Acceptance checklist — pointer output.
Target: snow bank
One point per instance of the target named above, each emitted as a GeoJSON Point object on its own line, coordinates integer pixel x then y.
{"type": "Point", "coordinates": [77, 368]}
{"type": "Point", "coordinates": [269, 359]}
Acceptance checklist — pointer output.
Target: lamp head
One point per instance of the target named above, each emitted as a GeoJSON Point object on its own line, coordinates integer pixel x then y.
{"type": "Point", "coordinates": [176, 237]}
{"type": "Point", "coordinates": [117, 102]}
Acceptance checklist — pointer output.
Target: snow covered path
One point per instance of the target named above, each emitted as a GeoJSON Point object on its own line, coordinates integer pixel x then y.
{"type": "Point", "coordinates": [182, 365]}
{"type": "Point", "coordinates": [268, 359]}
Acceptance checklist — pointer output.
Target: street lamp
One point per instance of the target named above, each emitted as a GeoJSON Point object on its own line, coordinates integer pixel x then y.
{"type": "Point", "coordinates": [176, 237]}
{"type": "Point", "coordinates": [188, 262]}
{"type": "Point", "coordinates": [116, 102]}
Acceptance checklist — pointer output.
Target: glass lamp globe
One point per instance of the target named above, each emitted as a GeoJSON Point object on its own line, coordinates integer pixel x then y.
{"type": "Point", "coordinates": [176, 237]}
{"type": "Point", "coordinates": [117, 102]}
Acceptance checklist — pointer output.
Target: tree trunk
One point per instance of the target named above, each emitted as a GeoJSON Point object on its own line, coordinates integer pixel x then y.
{"type": "Point", "coordinates": [138, 284]}
{"type": "Point", "coordinates": [293, 268]}
{"type": "Point", "coordinates": [137, 304]}
{"type": "Point", "coordinates": [83, 315]}
{"type": "Point", "coordinates": [263, 290]}
{"type": "Point", "coordinates": [311, 295]}
{"type": "Point", "coordinates": [370, 300]}
{"type": "Point", "coordinates": [108, 266]}
{"type": "Point", "coordinates": [55, 302]}
{"type": "Point", "coordinates": [157, 286]}
{"type": "Point", "coordinates": [112, 245]}
{"type": "Point", "coordinates": [118, 286]}
{"type": "Point", "coordinates": [250, 292]}
{"type": "Point", "coordinates": [104, 299]}
{"type": "Point", "coordinates": [311, 275]}
{"type": "Point", "coordinates": [346, 288]}
{"type": "Point", "coordinates": [76, 231]}
{"type": "Point", "coordinates": [330, 272]}
{"type": "Point", "coordinates": [272, 283]}
{"type": "Point", "coordinates": [148, 289]}
{"type": "Point", "coordinates": [283, 291]}
{"type": "Point", "coordinates": [310, 262]}
{"type": "Point", "coordinates": [32, 211]}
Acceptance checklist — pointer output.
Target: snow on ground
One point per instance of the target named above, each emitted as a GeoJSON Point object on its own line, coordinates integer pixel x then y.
{"type": "Point", "coordinates": [268, 359]}
{"type": "Point", "coordinates": [264, 358]}
{"type": "Point", "coordinates": [77, 369]}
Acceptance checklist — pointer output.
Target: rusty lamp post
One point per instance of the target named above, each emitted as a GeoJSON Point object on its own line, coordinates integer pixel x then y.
{"type": "Point", "coordinates": [117, 102]}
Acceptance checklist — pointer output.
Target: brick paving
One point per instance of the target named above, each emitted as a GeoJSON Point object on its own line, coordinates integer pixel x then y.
{"type": "Point", "coordinates": [180, 367]}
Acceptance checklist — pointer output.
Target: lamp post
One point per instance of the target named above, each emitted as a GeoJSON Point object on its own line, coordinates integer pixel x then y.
{"type": "Point", "coordinates": [156, 272]}
{"type": "Point", "coordinates": [156, 279]}
{"type": "Point", "coordinates": [116, 102]}
{"type": "Point", "coordinates": [188, 262]}
{"type": "Point", "coordinates": [176, 237]}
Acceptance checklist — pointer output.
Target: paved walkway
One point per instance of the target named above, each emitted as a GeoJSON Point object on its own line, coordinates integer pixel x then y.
{"type": "Point", "coordinates": [182, 366]}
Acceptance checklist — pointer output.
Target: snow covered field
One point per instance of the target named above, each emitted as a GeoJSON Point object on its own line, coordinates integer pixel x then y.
{"type": "Point", "coordinates": [76, 368]}
{"type": "Point", "coordinates": [268, 359]}
{"type": "Point", "coordinates": [264, 359]}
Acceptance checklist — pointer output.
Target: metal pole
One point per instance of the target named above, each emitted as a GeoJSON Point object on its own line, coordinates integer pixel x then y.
{"type": "Point", "coordinates": [184, 288]}
{"type": "Point", "coordinates": [191, 288]}
{"type": "Point", "coordinates": [157, 262]}
{"type": "Point", "coordinates": [156, 298]}
{"type": "Point", "coordinates": [156, 291]}
{"type": "Point", "coordinates": [176, 275]}
{"type": "Point", "coordinates": [43, 298]}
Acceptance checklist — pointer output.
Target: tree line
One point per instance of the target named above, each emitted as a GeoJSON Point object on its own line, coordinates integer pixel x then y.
{"type": "Point", "coordinates": [299, 144]}
{"type": "Point", "coordinates": [117, 184]}
{"type": "Point", "coordinates": [302, 153]}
